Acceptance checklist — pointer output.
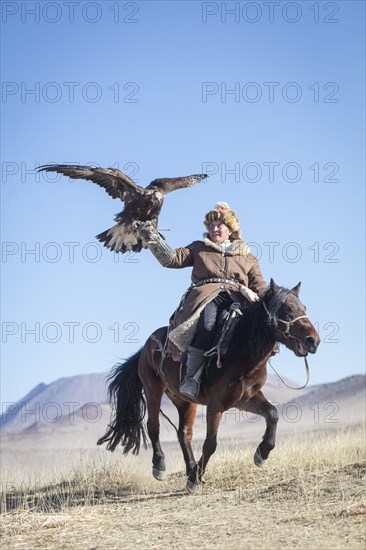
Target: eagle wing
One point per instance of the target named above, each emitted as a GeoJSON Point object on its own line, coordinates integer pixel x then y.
{"type": "Point", "coordinates": [167, 185]}
{"type": "Point", "coordinates": [115, 182]}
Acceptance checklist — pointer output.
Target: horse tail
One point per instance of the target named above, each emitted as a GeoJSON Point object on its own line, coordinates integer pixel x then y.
{"type": "Point", "coordinates": [126, 396]}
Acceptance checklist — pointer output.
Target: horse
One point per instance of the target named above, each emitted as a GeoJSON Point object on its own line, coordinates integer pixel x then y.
{"type": "Point", "coordinates": [138, 384]}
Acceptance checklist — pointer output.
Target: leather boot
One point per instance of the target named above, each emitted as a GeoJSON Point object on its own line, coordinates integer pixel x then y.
{"type": "Point", "coordinates": [191, 383]}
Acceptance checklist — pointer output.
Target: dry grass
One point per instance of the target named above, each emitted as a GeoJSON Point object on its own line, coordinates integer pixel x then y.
{"type": "Point", "coordinates": [310, 495]}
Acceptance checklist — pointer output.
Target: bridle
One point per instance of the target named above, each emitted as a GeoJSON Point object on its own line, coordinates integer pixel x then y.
{"type": "Point", "coordinates": [287, 334]}
{"type": "Point", "coordinates": [287, 331]}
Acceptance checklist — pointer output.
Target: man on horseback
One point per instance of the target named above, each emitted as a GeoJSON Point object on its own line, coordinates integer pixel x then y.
{"type": "Point", "coordinates": [224, 272]}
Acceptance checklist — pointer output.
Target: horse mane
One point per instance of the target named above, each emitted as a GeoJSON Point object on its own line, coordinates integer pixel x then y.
{"type": "Point", "coordinates": [253, 337]}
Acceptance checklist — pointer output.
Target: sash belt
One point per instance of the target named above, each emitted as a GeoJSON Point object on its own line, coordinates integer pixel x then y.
{"type": "Point", "coordinates": [214, 280]}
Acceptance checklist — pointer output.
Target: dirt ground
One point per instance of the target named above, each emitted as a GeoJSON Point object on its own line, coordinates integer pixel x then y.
{"type": "Point", "coordinates": [315, 511]}
{"type": "Point", "coordinates": [310, 495]}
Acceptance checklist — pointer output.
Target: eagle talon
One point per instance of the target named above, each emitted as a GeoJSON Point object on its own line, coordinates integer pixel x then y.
{"type": "Point", "coordinates": [147, 232]}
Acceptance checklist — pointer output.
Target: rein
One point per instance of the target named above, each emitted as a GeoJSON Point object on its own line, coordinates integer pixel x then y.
{"type": "Point", "coordinates": [287, 334]}
{"type": "Point", "coordinates": [292, 387]}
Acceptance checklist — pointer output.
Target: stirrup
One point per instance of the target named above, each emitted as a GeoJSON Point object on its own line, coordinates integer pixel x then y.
{"type": "Point", "coordinates": [192, 389]}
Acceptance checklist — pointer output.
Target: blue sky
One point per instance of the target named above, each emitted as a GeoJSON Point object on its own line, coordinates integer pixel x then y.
{"type": "Point", "coordinates": [268, 98]}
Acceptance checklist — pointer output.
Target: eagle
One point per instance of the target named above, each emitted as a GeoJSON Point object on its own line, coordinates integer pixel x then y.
{"type": "Point", "coordinates": [142, 204]}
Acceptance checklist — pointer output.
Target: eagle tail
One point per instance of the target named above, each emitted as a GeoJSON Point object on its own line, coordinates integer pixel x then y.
{"type": "Point", "coordinates": [120, 239]}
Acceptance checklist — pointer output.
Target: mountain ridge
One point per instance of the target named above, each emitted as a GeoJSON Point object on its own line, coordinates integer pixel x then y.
{"type": "Point", "coordinates": [49, 404]}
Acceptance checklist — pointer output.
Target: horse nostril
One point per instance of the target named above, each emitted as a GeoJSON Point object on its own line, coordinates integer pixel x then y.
{"type": "Point", "coordinates": [310, 342]}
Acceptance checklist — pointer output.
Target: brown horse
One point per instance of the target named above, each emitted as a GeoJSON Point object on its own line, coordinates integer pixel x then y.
{"type": "Point", "coordinates": [278, 316]}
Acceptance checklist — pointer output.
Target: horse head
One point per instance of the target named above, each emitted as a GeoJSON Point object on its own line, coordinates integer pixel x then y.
{"type": "Point", "coordinates": [287, 317]}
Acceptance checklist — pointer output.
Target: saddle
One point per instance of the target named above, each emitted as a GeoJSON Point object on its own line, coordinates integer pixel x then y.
{"type": "Point", "coordinates": [222, 346]}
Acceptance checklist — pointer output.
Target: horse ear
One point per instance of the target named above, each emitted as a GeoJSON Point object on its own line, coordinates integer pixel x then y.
{"type": "Point", "coordinates": [275, 288]}
{"type": "Point", "coordinates": [296, 289]}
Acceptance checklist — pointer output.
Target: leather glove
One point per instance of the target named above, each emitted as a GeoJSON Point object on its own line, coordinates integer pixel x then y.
{"type": "Point", "coordinates": [157, 245]}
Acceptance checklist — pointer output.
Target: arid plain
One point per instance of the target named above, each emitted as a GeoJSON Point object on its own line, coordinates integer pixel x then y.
{"type": "Point", "coordinates": [61, 491]}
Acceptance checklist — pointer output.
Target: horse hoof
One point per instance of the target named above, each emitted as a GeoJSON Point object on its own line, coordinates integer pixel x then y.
{"type": "Point", "coordinates": [159, 474]}
{"type": "Point", "coordinates": [258, 460]}
{"type": "Point", "coordinates": [193, 488]}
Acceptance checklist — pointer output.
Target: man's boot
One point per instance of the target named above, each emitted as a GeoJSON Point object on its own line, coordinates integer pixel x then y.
{"type": "Point", "coordinates": [191, 383]}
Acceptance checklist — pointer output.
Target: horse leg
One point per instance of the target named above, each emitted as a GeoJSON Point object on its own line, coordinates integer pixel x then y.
{"type": "Point", "coordinates": [208, 449]}
{"type": "Point", "coordinates": [154, 389]}
{"type": "Point", "coordinates": [187, 415]}
{"type": "Point", "coordinates": [258, 404]}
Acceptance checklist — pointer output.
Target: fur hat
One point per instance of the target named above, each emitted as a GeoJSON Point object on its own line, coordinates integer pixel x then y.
{"type": "Point", "coordinates": [223, 213]}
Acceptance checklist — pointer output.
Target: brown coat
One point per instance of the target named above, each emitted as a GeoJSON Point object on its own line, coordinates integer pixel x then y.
{"type": "Point", "coordinates": [209, 260]}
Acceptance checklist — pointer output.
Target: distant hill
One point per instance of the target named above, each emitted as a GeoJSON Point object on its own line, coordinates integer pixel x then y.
{"type": "Point", "coordinates": [67, 402]}
{"type": "Point", "coordinates": [350, 387]}
{"type": "Point", "coordinates": [48, 403]}
{"type": "Point", "coordinates": [335, 402]}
